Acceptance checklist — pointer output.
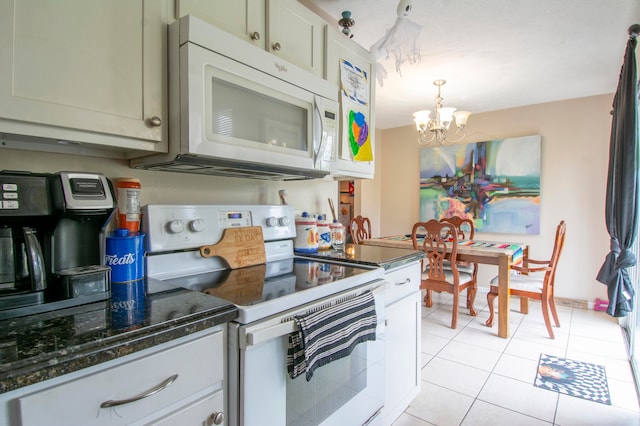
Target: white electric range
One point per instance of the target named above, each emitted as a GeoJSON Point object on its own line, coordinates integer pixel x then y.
{"type": "Point", "coordinates": [346, 391]}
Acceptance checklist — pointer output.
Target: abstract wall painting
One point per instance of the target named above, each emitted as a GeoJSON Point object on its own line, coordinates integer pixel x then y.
{"type": "Point", "coordinates": [496, 183]}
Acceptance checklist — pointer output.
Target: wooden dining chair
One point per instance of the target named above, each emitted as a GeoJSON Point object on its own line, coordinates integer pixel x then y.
{"type": "Point", "coordinates": [466, 231]}
{"type": "Point", "coordinates": [360, 229]}
{"type": "Point", "coordinates": [437, 277]}
{"type": "Point", "coordinates": [534, 280]}
{"type": "Point", "coordinates": [465, 227]}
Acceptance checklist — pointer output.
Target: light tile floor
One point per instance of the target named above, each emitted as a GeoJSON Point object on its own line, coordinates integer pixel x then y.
{"type": "Point", "coordinates": [470, 376]}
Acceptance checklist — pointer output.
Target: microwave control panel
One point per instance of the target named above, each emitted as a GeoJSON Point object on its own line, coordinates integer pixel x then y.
{"type": "Point", "coordinates": [330, 136]}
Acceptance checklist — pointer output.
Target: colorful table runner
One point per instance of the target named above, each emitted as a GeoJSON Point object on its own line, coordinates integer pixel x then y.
{"type": "Point", "coordinates": [515, 249]}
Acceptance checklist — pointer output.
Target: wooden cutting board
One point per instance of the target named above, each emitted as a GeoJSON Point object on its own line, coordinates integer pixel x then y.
{"type": "Point", "coordinates": [240, 247]}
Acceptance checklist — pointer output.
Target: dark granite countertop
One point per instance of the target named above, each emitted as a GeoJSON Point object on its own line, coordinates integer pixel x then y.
{"type": "Point", "coordinates": [386, 257]}
{"type": "Point", "coordinates": [38, 347]}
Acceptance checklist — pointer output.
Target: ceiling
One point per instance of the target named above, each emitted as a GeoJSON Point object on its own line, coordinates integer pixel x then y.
{"type": "Point", "coordinates": [495, 54]}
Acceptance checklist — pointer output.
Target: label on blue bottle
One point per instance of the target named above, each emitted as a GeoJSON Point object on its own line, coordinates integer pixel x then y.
{"type": "Point", "coordinates": [124, 254]}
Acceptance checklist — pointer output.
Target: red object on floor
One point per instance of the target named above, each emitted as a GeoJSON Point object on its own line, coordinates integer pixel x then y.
{"type": "Point", "coordinates": [600, 305]}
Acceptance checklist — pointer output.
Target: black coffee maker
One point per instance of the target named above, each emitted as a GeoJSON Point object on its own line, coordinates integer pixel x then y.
{"type": "Point", "coordinates": [51, 240]}
{"type": "Point", "coordinates": [26, 218]}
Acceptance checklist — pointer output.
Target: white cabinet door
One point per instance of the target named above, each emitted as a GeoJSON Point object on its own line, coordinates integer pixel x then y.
{"type": "Point", "coordinates": [402, 339]}
{"type": "Point", "coordinates": [207, 411]}
{"type": "Point", "coordinates": [339, 47]}
{"type": "Point", "coordinates": [295, 34]}
{"type": "Point", "coordinates": [402, 355]}
{"type": "Point", "coordinates": [89, 71]}
{"type": "Point", "coordinates": [242, 18]}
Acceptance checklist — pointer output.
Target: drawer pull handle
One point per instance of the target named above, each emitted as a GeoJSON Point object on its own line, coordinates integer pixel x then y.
{"type": "Point", "coordinates": [215, 418]}
{"type": "Point", "coordinates": [152, 391]}
{"type": "Point", "coordinates": [407, 281]}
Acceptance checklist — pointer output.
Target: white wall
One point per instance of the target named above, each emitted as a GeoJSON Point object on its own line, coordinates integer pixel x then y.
{"type": "Point", "coordinates": [575, 139]}
{"type": "Point", "coordinates": [166, 187]}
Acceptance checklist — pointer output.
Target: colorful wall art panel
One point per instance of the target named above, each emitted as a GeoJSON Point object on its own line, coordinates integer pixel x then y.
{"type": "Point", "coordinates": [496, 183]}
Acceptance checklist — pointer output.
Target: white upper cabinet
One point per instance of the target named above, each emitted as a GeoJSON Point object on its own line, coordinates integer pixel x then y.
{"type": "Point", "coordinates": [296, 34]}
{"type": "Point", "coordinates": [243, 18]}
{"type": "Point", "coordinates": [283, 27]}
{"type": "Point", "coordinates": [339, 47]}
{"type": "Point", "coordinates": [90, 72]}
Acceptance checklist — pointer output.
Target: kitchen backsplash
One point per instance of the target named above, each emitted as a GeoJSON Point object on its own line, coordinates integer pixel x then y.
{"type": "Point", "coordinates": [177, 188]}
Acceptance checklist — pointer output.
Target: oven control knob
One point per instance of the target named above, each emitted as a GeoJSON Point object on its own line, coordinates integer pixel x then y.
{"type": "Point", "coordinates": [176, 226]}
{"type": "Point", "coordinates": [272, 221]}
{"type": "Point", "coordinates": [284, 221]}
{"type": "Point", "coordinates": [197, 225]}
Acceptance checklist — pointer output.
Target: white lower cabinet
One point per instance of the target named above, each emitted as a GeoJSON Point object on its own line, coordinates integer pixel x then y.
{"type": "Point", "coordinates": [184, 381]}
{"type": "Point", "coordinates": [402, 345]}
{"type": "Point", "coordinates": [203, 412]}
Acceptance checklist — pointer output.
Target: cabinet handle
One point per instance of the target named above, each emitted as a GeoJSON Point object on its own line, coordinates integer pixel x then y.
{"type": "Point", "coordinates": [153, 390]}
{"type": "Point", "coordinates": [215, 418]}
{"type": "Point", "coordinates": [255, 36]}
{"type": "Point", "coordinates": [407, 281]}
{"type": "Point", "coordinates": [155, 121]}
{"type": "Point", "coordinates": [276, 46]}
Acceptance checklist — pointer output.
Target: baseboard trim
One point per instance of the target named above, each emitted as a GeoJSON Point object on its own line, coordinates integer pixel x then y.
{"type": "Point", "coordinates": [560, 301]}
{"type": "Point", "coordinates": [572, 303]}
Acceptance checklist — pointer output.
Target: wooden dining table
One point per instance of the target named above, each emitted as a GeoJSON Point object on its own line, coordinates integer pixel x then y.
{"type": "Point", "coordinates": [502, 254]}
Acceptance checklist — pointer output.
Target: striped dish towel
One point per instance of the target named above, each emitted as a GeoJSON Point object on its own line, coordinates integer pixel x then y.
{"type": "Point", "coordinates": [330, 334]}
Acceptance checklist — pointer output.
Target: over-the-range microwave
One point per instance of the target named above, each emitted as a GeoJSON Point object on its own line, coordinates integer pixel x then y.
{"type": "Point", "coordinates": [237, 110]}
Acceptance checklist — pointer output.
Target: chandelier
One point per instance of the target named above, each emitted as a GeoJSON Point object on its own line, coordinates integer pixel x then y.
{"type": "Point", "coordinates": [433, 131]}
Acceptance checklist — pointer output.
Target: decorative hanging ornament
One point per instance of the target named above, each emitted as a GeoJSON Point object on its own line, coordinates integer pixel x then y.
{"type": "Point", "coordinates": [399, 42]}
{"type": "Point", "coordinates": [346, 23]}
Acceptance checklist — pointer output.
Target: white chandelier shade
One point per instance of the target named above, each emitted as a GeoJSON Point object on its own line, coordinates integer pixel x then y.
{"type": "Point", "coordinates": [433, 131]}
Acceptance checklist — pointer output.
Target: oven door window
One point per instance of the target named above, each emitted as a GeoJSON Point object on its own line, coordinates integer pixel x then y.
{"type": "Point", "coordinates": [349, 390]}
{"type": "Point", "coordinates": [338, 391]}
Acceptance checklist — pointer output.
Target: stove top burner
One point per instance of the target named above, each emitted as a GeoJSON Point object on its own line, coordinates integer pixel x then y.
{"type": "Point", "coordinates": [275, 285]}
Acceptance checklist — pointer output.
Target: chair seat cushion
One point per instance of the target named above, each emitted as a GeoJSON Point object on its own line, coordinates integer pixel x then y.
{"type": "Point", "coordinates": [464, 277]}
{"type": "Point", "coordinates": [530, 283]}
{"type": "Point", "coordinates": [462, 266]}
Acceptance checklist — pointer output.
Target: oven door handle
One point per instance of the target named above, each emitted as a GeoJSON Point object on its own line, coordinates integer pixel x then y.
{"type": "Point", "coordinates": [256, 335]}
{"type": "Point", "coordinates": [269, 333]}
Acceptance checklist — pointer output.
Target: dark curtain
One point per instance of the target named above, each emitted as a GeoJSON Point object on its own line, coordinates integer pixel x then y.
{"type": "Point", "coordinates": [621, 208]}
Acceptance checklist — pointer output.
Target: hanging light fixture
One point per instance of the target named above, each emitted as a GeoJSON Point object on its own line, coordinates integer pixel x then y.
{"type": "Point", "coordinates": [433, 131]}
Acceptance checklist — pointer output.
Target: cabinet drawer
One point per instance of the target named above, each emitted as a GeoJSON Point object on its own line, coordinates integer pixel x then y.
{"type": "Point", "coordinates": [402, 281]}
{"type": "Point", "coordinates": [200, 412]}
{"type": "Point", "coordinates": [197, 364]}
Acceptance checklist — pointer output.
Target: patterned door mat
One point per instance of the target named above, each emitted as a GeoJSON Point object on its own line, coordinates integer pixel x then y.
{"type": "Point", "coordinates": [574, 378]}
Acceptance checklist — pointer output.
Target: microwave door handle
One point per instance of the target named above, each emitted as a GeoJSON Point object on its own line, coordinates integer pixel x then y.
{"type": "Point", "coordinates": [316, 154]}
